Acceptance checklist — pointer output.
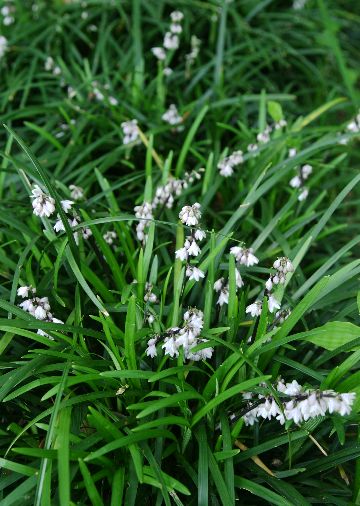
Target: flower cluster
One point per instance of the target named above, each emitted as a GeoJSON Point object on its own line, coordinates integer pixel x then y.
{"type": "Point", "coordinates": [300, 404]}
{"type": "Point", "coordinates": [281, 316]}
{"type": "Point", "coordinates": [194, 53]}
{"type": "Point", "coordinates": [227, 164]}
{"type": "Point", "coordinates": [172, 116]}
{"type": "Point", "coordinates": [76, 192]}
{"type": "Point", "coordinates": [264, 136]}
{"type": "Point", "coordinates": [150, 298]}
{"type": "Point", "coordinates": [51, 67]}
{"type": "Point", "coordinates": [186, 337]}
{"type": "Point", "coordinates": [7, 13]}
{"type": "Point", "coordinates": [131, 131]}
{"type": "Point", "coordinates": [37, 307]}
{"type": "Point", "coordinates": [171, 39]}
{"type": "Point", "coordinates": [298, 181]}
{"type": "Point", "coordinates": [244, 256]}
{"type": "Point", "coordinates": [144, 214]}
{"type": "Point", "coordinates": [102, 94]}
{"type": "Point", "coordinates": [44, 206]}
{"type": "Point", "coordinates": [110, 237]}
{"type": "Point", "coordinates": [64, 127]}
{"type": "Point", "coordinates": [221, 286]}
{"type": "Point", "coordinates": [282, 265]}
{"type": "Point", "coordinates": [190, 216]}
{"type": "Point", "coordinates": [149, 295]}
{"type": "Point", "coordinates": [73, 222]}
{"type": "Point", "coordinates": [164, 194]}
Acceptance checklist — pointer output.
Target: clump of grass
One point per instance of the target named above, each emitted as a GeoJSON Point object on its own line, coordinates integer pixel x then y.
{"type": "Point", "coordinates": [179, 278]}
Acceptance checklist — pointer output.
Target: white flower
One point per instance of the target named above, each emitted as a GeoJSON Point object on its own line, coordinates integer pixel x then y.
{"type": "Point", "coordinates": [225, 169]}
{"type": "Point", "coordinates": [151, 349]}
{"type": "Point", "coordinates": [273, 304]}
{"type": "Point", "coordinates": [346, 402]}
{"type": "Point", "coordinates": [292, 152]}
{"type": "Point", "coordinates": [252, 148]}
{"type": "Point", "coordinates": [167, 71]}
{"type": "Point", "coordinates": [49, 63]}
{"type": "Point", "coordinates": [145, 213]}
{"type": "Point", "coordinates": [269, 284]}
{"type": "Point", "coordinates": [176, 16]}
{"type": "Point", "coordinates": [299, 4]}
{"type": "Point", "coordinates": [238, 278]}
{"type": "Point", "coordinates": [40, 313]}
{"type": "Point", "coordinates": [190, 215]}
{"type": "Point", "coordinates": [303, 195]}
{"type": "Point", "coordinates": [57, 70]}
{"type": "Point", "coordinates": [159, 53]}
{"type": "Point", "coordinates": [192, 247]}
{"type": "Point", "coordinates": [181, 254]}
{"type": "Point", "coordinates": [227, 164]}
{"type": "Point", "coordinates": [59, 225]}
{"type": "Point", "coordinates": [27, 305]}
{"type": "Point", "coordinates": [172, 115]}
{"type": "Point", "coordinates": [150, 319]}
{"type": "Point", "coordinates": [283, 265]}
{"type": "Point", "coordinates": [23, 291]}
{"type": "Point", "coordinates": [295, 182]}
{"type": "Point", "coordinates": [306, 170]}
{"type": "Point", "coordinates": [268, 409]}
{"type": "Point", "coordinates": [3, 45]}
{"type": "Point", "coordinates": [130, 130]}
{"type": "Point", "coordinates": [175, 28]}
{"type": "Point", "coordinates": [199, 234]}
{"type": "Point", "coordinates": [170, 347]}
{"type": "Point", "coordinates": [149, 296]}
{"type": "Point", "coordinates": [56, 320]}
{"type": "Point", "coordinates": [113, 101]}
{"type": "Point", "coordinates": [77, 193]}
{"type": "Point", "coordinates": [250, 417]}
{"type": "Point", "coordinates": [263, 137]}
{"type": "Point", "coordinates": [218, 284]}
{"type": "Point", "coordinates": [43, 205]}
{"type": "Point", "coordinates": [193, 273]}
{"type": "Point", "coordinates": [254, 309]}
{"type": "Point", "coordinates": [291, 389]}
{"type": "Point", "coordinates": [224, 296]}
{"type": "Point", "coordinates": [244, 256]}
{"type": "Point", "coordinates": [110, 236]}
{"type": "Point", "coordinates": [67, 205]}
{"type": "Point", "coordinates": [280, 124]}
{"type": "Point", "coordinates": [353, 127]}
{"type": "Point", "coordinates": [171, 41]}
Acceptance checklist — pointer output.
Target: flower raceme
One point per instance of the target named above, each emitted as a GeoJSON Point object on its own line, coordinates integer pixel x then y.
{"type": "Point", "coordinates": [164, 196]}
{"type": "Point", "coordinates": [190, 216]}
{"type": "Point", "coordinates": [131, 131]}
{"type": "Point", "coordinates": [186, 338]}
{"type": "Point", "coordinates": [299, 405]}
{"type": "Point", "coordinates": [37, 307]}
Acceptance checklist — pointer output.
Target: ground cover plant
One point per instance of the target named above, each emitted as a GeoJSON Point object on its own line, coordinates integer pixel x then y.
{"type": "Point", "coordinates": [179, 223]}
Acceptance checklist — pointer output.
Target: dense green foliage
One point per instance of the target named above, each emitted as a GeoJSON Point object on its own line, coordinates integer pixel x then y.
{"type": "Point", "coordinates": [86, 416]}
